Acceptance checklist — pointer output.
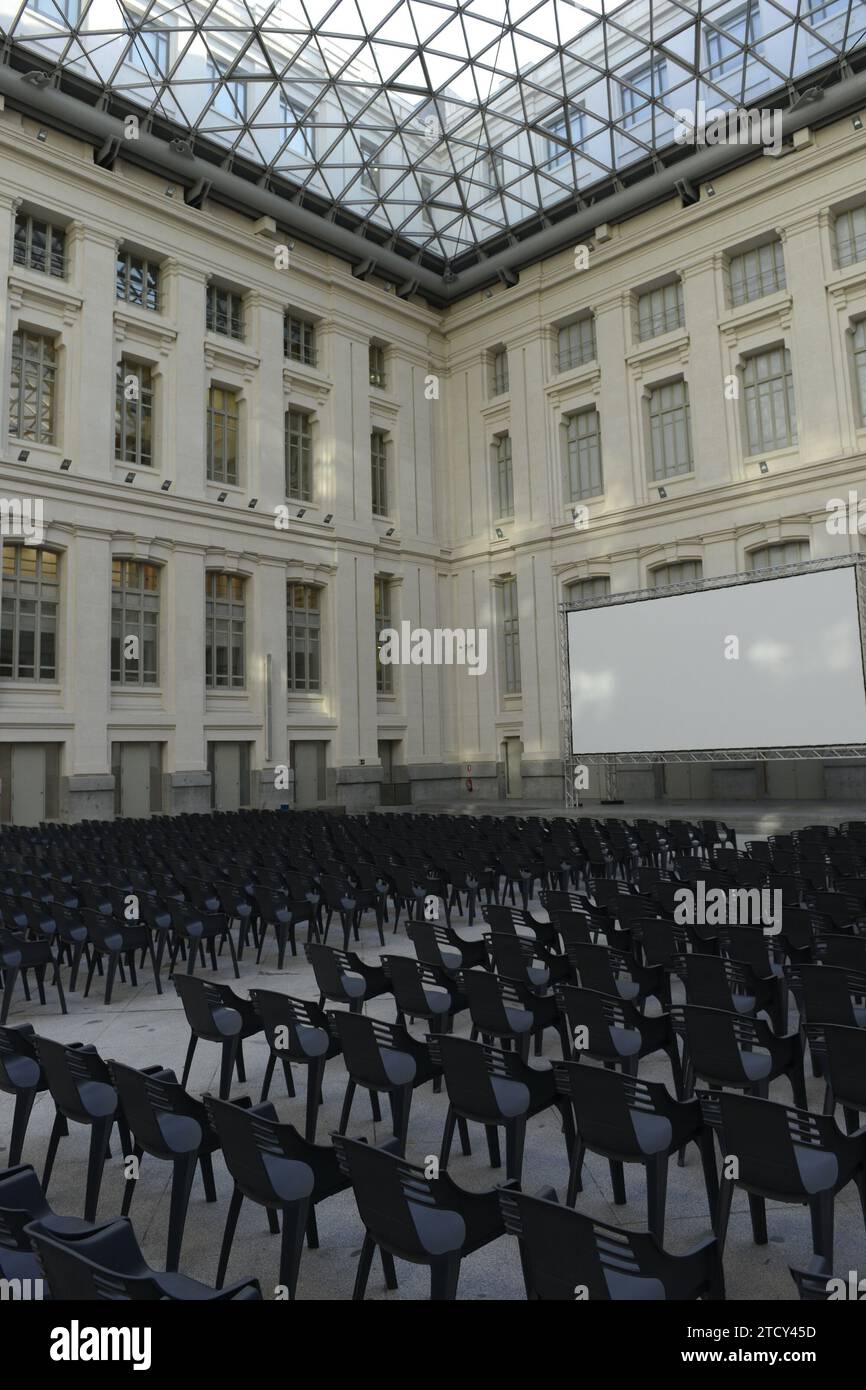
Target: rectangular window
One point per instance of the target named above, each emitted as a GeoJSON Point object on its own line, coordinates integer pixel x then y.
{"type": "Point", "coordinates": [576, 343]}
{"type": "Point", "coordinates": [677, 572]}
{"type": "Point", "coordinates": [39, 245]}
{"type": "Point", "coordinates": [58, 10]}
{"type": "Point", "coordinates": [230, 94]}
{"type": "Point", "coordinates": [299, 340]}
{"type": "Point", "coordinates": [382, 618]}
{"type": "Point", "coordinates": [563, 134]}
{"type": "Point", "coordinates": [821, 11]}
{"type": "Point", "coordinates": [133, 414]}
{"type": "Point", "coordinates": [134, 615]}
{"type": "Point", "coordinates": [298, 136]}
{"type": "Point", "coordinates": [582, 590]}
{"type": "Point", "coordinates": [28, 614]}
{"type": "Point", "coordinates": [223, 429]}
{"type": "Point", "coordinates": [225, 312]}
{"type": "Point", "coordinates": [755, 273]}
{"type": "Point", "coordinates": [781, 553]}
{"type": "Point", "coordinates": [670, 430]}
{"type": "Point", "coordinates": [771, 414]}
{"type": "Point", "coordinates": [499, 371]}
{"type": "Point", "coordinates": [304, 634]}
{"type": "Point", "coordinates": [644, 84]}
{"type": "Point", "coordinates": [510, 637]}
{"type": "Point", "coordinates": [494, 171]}
{"type": "Point", "coordinates": [860, 368]}
{"type": "Point", "coordinates": [225, 625]}
{"type": "Point", "coordinates": [370, 168]}
{"type": "Point", "coordinates": [503, 493]}
{"type": "Point", "coordinates": [583, 452]}
{"type": "Point", "coordinates": [299, 456]}
{"type": "Point", "coordinates": [851, 236]}
{"type": "Point", "coordinates": [725, 45]}
{"type": "Point", "coordinates": [377, 366]}
{"type": "Point", "coordinates": [660, 311]}
{"type": "Point", "coordinates": [379, 471]}
{"type": "Point", "coordinates": [137, 280]}
{"type": "Point", "coordinates": [151, 51]}
{"type": "Point", "coordinates": [32, 387]}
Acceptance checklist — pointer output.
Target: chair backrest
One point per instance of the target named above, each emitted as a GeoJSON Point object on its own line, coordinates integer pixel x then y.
{"type": "Point", "coordinates": [74, 1072]}
{"type": "Point", "coordinates": [21, 1201]}
{"type": "Point", "coordinates": [435, 944]}
{"type": "Point", "coordinates": [399, 1206]}
{"type": "Point", "coordinates": [295, 1028]}
{"type": "Point", "coordinates": [418, 988]}
{"type": "Point", "coordinates": [769, 1140]}
{"type": "Point", "coordinates": [210, 1008]}
{"type": "Point", "coordinates": [258, 1151]}
{"type": "Point", "coordinates": [846, 1061]}
{"type": "Point", "coordinates": [105, 1265]}
{"type": "Point", "coordinates": [163, 1118]}
{"type": "Point", "coordinates": [376, 1053]}
{"type": "Point", "coordinates": [491, 1000]}
{"type": "Point", "coordinates": [720, 1041]}
{"type": "Point", "coordinates": [827, 991]}
{"type": "Point", "coordinates": [330, 966]}
{"type": "Point", "coordinates": [19, 1064]}
{"type": "Point", "coordinates": [483, 1083]}
{"type": "Point", "coordinates": [611, 1106]}
{"type": "Point", "coordinates": [600, 1014]}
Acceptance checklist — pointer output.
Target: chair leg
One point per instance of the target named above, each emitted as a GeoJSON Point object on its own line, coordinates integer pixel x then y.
{"type": "Point", "coordinates": [292, 1243]}
{"type": "Point", "coordinates": [129, 1184]}
{"type": "Point", "coordinates": [239, 1061]}
{"type": "Point", "coordinates": [375, 1108]}
{"type": "Point", "coordinates": [290, 1080]}
{"type": "Point", "coordinates": [109, 977]}
{"type": "Point", "coordinates": [206, 1165]}
{"type": "Point", "coordinates": [575, 1178]}
{"type": "Point", "coordinates": [657, 1187]}
{"type": "Point", "coordinates": [447, 1138]}
{"type": "Point", "coordinates": [23, 1106]}
{"type": "Point", "coordinates": [388, 1267]}
{"type": "Point", "coordinates": [463, 1131]}
{"type": "Point", "coordinates": [315, 1073]}
{"type": "Point", "coordinates": [711, 1175]}
{"type": "Point", "coordinates": [229, 1053]}
{"type": "Point", "coordinates": [444, 1275]}
{"type": "Point", "coordinates": [269, 1073]}
{"type": "Point", "coordinates": [312, 1229]}
{"type": "Point", "coordinates": [821, 1208]}
{"type": "Point", "coordinates": [99, 1132]}
{"type": "Point", "coordinates": [181, 1184]}
{"type": "Point", "coordinates": [401, 1103]}
{"type": "Point", "coordinates": [365, 1262]}
{"type": "Point", "coordinates": [758, 1211]}
{"type": "Point", "coordinates": [193, 1039]}
{"type": "Point", "coordinates": [617, 1178]}
{"type": "Point", "coordinates": [59, 1131]}
{"type": "Point", "coordinates": [229, 1235]}
{"type": "Point", "coordinates": [515, 1137]}
{"type": "Point", "coordinates": [726, 1194]}
{"type": "Point", "coordinates": [347, 1107]}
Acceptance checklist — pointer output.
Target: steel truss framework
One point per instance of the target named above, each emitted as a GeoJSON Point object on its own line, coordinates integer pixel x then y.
{"type": "Point", "coordinates": [610, 762]}
{"type": "Point", "coordinates": [445, 127]}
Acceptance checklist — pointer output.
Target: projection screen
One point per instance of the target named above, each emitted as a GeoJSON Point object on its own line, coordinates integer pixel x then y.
{"type": "Point", "coordinates": [652, 675]}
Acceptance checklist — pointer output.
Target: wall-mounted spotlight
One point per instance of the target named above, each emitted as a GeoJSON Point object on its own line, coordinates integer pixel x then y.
{"type": "Point", "coordinates": [222, 496]}
{"type": "Point", "coordinates": [709, 189]}
{"type": "Point", "coordinates": [23, 455]}
{"type": "Point", "coordinates": [764, 467]}
{"type": "Point", "coordinates": [857, 122]}
{"type": "Point", "coordinates": [390, 531]}
{"type": "Point", "coordinates": [328, 519]}
{"type": "Point", "coordinates": [130, 478]}
{"type": "Point", "coordinates": [500, 534]}
{"type": "Point", "coordinates": [164, 487]}
{"type": "Point", "coordinates": [65, 465]}
{"type": "Point", "coordinates": [252, 503]}
{"type": "Point", "coordinates": [663, 492]}
{"type": "Point", "coordinates": [302, 511]}
{"type": "Point", "coordinates": [170, 191]}
{"type": "Point", "coordinates": [42, 136]}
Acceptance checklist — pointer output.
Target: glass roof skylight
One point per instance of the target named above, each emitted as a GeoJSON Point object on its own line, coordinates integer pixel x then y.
{"type": "Point", "coordinates": [442, 122]}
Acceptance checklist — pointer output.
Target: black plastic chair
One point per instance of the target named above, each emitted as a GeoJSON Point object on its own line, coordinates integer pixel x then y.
{"type": "Point", "coordinates": [610, 971]}
{"type": "Point", "coordinates": [108, 1265]}
{"type": "Point", "coordinates": [428, 1221]}
{"type": "Point", "coordinates": [284, 914]}
{"type": "Point", "coordinates": [17, 956]}
{"type": "Point", "coordinates": [297, 1032]}
{"type": "Point", "coordinates": [21, 1076]}
{"type": "Point", "coordinates": [495, 1089]}
{"type": "Point", "coordinates": [631, 1121]}
{"type": "Point", "coordinates": [510, 1011]}
{"type": "Point", "coordinates": [117, 942]}
{"type": "Point", "coordinates": [784, 1155]}
{"type": "Point", "coordinates": [516, 920]}
{"type": "Point", "coordinates": [22, 1201]}
{"type": "Point", "coordinates": [717, 982]}
{"type": "Point", "coordinates": [171, 1125]}
{"type": "Point", "coordinates": [566, 1255]}
{"type": "Point", "coordinates": [343, 978]}
{"type": "Point", "coordinates": [726, 1050]}
{"type": "Point", "coordinates": [844, 1053]}
{"type": "Point", "coordinates": [383, 1058]}
{"type": "Point", "coordinates": [423, 991]}
{"type": "Point", "coordinates": [616, 1032]}
{"type": "Point", "coordinates": [519, 958]}
{"type": "Point", "coordinates": [216, 1014]}
{"type": "Point", "coordinates": [82, 1091]}
{"type": "Point", "coordinates": [440, 945]}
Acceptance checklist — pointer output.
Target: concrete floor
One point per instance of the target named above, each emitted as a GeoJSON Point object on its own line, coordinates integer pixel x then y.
{"type": "Point", "coordinates": [141, 1028]}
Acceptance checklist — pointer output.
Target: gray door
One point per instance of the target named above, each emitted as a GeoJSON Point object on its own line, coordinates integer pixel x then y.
{"type": "Point", "coordinates": [308, 765]}
{"type": "Point", "coordinates": [28, 783]}
{"type": "Point", "coordinates": [135, 779]}
{"type": "Point", "coordinates": [227, 776]}
{"type": "Point", "coordinates": [513, 780]}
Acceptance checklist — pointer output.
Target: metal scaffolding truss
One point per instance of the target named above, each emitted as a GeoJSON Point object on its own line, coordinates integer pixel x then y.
{"type": "Point", "coordinates": [443, 130]}
{"type": "Point", "coordinates": [608, 763]}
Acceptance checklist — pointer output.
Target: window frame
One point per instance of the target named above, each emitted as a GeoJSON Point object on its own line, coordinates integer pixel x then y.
{"type": "Point", "coordinates": [575, 464]}
{"type": "Point", "coordinates": [230, 428]}
{"type": "Point", "coordinates": [136, 415]}
{"type": "Point", "coordinates": [303, 465]}
{"type": "Point", "coordinates": [47, 381]}
{"type": "Point", "coordinates": [234, 624]}
{"type": "Point", "coordinates": [45, 625]}
{"type": "Point", "coordinates": [123, 626]}
{"type": "Point", "coordinates": [303, 638]}
{"type": "Point", "coordinates": [664, 415]}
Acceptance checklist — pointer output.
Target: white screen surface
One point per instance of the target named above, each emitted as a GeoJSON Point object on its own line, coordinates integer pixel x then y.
{"type": "Point", "coordinates": [652, 675]}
